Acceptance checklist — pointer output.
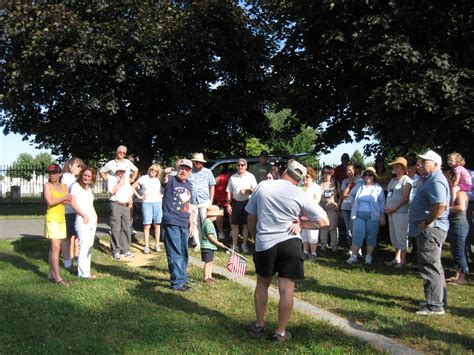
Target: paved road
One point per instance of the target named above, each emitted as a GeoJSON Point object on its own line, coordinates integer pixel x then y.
{"type": "Point", "coordinates": [32, 228]}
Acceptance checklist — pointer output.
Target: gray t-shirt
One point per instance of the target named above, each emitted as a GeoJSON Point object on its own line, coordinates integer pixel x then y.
{"type": "Point", "coordinates": [395, 193]}
{"type": "Point", "coordinates": [277, 204]}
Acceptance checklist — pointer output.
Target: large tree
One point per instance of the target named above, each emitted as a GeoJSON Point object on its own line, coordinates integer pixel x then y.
{"type": "Point", "coordinates": [400, 71]}
{"type": "Point", "coordinates": [162, 77]}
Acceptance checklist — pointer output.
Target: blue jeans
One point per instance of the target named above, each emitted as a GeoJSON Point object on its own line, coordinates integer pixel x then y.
{"type": "Point", "coordinates": [457, 235]}
{"type": "Point", "coordinates": [346, 214]}
{"type": "Point", "coordinates": [364, 228]}
{"type": "Point", "coordinates": [176, 246]}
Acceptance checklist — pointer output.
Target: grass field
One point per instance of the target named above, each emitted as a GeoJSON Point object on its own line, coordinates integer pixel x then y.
{"type": "Point", "coordinates": [131, 310]}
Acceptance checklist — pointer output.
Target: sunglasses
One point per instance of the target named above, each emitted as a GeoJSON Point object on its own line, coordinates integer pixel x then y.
{"type": "Point", "coordinates": [241, 164]}
{"type": "Point", "coordinates": [370, 175]}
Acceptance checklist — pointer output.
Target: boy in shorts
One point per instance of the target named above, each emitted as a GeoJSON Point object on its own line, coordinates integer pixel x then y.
{"type": "Point", "coordinates": [209, 241]}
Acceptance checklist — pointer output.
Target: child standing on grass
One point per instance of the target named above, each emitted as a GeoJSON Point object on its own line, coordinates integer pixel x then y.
{"type": "Point", "coordinates": [209, 241]}
{"type": "Point", "coordinates": [463, 180]}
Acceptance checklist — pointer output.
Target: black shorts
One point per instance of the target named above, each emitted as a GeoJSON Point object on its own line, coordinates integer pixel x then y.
{"type": "Point", "coordinates": [207, 255]}
{"type": "Point", "coordinates": [285, 258]}
{"type": "Point", "coordinates": [71, 225]}
{"type": "Point", "coordinates": [239, 215]}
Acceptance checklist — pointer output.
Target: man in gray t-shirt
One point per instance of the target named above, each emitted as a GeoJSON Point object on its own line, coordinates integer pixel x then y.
{"type": "Point", "coordinates": [278, 210]}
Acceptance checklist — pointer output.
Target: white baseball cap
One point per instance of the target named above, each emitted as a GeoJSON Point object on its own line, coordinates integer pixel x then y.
{"type": "Point", "coordinates": [430, 155]}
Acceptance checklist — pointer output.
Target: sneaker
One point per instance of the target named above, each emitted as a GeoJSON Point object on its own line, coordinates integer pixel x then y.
{"type": "Point", "coordinates": [368, 260]}
{"type": "Point", "coordinates": [427, 312]}
{"type": "Point", "coordinates": [129, 254]}
{"type": "Point", "coordinates": [305, 255]}
{"type": "Point", "coordinates": [258, 330]}
{"type": "Point", "coordinates": [146, 250]}
{"type": "Point", "coordinates": [220, 236]}
{"type": "Point", "coordinates": [245, 248]}
{"type": "Point", "coordinates": [197, 248]}
{"type": "Point", "coordinates": [313, 258]}
{"type": "Point", "coordinates": [278, 338]}
{"type": "Point", "coordinates": [158, 248]}
{"type": "Point", "coordinates": [133, 232]}
{"type": "Point", "coordinates": [183, 289]}
{"type": "Point", "coordinates": [352, 260]}
{"type": "Point", "coordinates": [323, 247]}
{"type": "Point", "coordinates": [117, 256]}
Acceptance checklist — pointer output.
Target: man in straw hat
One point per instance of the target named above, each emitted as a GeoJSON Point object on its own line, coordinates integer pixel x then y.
{"type": "Point", "coordinates": [274, 217]}
{"type": "Point", "coordinates": [428, 218]}
{"type": "Point", "coordinates": [203, 183]}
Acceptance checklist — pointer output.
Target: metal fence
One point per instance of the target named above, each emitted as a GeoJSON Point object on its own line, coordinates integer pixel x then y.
{"type": "Point", "coordinates": [25, 184]}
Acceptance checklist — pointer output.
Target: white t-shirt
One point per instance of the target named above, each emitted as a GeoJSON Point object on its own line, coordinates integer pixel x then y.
{"type": "Point", "coordinates": [111, 167]}
{"type": "Point", "coordinates": [123, 194]}
{"type": "Point", "coordinates": [68, 179]}
{"type": "Point", "coordinates": [314, 192]}
{"type": "Point", "coordinates": [277, 204]}
{"type": "Point", "coordinates": [85, 201]}
{"type": "Point", "coordinates": [239, 182]}
{"type": "Point", "coordinates": [151, 188]}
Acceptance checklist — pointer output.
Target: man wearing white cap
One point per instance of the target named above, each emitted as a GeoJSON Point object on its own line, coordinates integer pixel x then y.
{"type": "Point", "coordinates": [204, 184]}
{"type": "Point", "coordinates": [274, 217]}
{"type": "Point", "coordinates": [428, 219]}
{"type": "Point", "coordinates": [120, 203]}
{"type": "Point", "coordinates": [177, 223]}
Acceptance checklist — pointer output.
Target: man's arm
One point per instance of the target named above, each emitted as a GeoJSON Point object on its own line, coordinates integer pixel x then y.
{"type": "Point", "coordinates": [212, 191]}
{"type": "Point", "coordinates": [436, 211]}
{"type": "Point", "coordinates": [252, 224]}
{"type": "Point", "coordinates": [322, 222]}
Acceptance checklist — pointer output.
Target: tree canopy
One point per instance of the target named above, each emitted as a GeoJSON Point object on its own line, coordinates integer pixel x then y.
{"type": "Point", "coordinates": [177, 76]}
{"type": "Point", "coordinates": [25, 164]}
{"type": "Point", "coordinates": [162, 77]}
{"type": "Point", "coordinates": [400, 71]}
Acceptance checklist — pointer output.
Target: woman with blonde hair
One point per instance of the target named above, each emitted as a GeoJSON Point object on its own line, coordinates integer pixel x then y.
{"type": "Point", "coordinates": [152, 196]}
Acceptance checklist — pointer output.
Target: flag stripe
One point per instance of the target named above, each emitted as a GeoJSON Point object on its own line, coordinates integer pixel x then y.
{"type": "Point", "coordinates": [236, 265]}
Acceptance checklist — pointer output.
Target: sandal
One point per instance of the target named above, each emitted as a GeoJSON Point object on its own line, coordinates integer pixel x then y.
{"type": "Point", "coordinates": [90, 277]}
{"type": "Point", "coordinates": [451, 279]}
{"type": "Point", "coordinates": [62, 283]}
{"type": "Point", "coordinates": [456, 282]}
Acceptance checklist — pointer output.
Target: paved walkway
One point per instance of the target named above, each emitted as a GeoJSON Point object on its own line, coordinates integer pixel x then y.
{"type": "Point", "coordinates": [13, 229]}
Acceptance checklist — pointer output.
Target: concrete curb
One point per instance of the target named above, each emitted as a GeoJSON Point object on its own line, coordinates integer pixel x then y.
{"type": "Point", "coordinates": [378, 341]}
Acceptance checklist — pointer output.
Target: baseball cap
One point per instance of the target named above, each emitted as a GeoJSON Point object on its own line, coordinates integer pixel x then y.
{"type": "Point", "coordinates": [53, 169]}
{"type": "Point", "coordinates": [430, 155]}
{"type": "Point", "coordinates": [264, 153]}
{"type": "Point", "coordinates": [296, 169]}
{"type": "Point", "coordinates": [185, 162]}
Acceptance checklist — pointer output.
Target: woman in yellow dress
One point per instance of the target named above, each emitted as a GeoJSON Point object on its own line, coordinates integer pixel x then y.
{"type": "Point", "coordinates": [56, 196]}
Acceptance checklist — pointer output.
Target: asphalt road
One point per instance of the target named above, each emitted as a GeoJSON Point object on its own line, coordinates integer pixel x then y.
{"type": "Point", "coordinates": [32, 228]}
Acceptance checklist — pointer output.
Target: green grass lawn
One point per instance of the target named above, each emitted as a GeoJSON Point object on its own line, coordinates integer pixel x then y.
{"type": "Point", "coordinates": [131, 310]}
{"type": "Point", "coordinates": [384, 300]}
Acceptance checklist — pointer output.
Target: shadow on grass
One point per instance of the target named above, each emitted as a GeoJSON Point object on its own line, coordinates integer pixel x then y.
{"type": "Point", "coordinates": [22, 263]}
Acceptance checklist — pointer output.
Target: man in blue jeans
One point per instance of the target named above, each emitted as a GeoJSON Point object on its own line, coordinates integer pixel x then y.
{"type": "Point", "coordinates": [428, 218]}
{"type": "Point", "coordinates": [177, 223]}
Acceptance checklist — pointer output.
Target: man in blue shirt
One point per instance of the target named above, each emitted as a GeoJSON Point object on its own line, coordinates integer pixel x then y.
{"type": "Point", "coordinates": [429, 223]}
{"type": "Point", "coordinates": [203, 183]}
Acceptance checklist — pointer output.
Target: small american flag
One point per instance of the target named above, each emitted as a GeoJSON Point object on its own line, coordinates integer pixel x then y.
{"type": "Point", "coordinates": [236, 265]}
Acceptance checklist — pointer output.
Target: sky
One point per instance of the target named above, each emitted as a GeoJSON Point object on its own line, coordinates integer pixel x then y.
{"type": "Point", "coordinates": [12, 145]}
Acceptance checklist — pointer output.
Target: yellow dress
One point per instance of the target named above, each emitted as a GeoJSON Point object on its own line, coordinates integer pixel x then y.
{"type": "Point", "coordinates": [55, 220]}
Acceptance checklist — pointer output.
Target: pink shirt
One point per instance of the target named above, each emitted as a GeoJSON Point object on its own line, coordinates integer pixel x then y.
{"type": "Point", "coordinates": [465, 181]}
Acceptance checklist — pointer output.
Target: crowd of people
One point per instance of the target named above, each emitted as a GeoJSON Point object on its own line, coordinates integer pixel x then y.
{"type": "Point", "coordinates": [291, 214]}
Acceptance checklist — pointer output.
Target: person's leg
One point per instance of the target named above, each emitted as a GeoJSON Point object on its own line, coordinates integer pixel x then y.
{"type": "Point", "coordinates": [146, 234]}
{"type": "Point", "coordinates": [126, 235]}
{"type": "Point", "coordinates": [245, 236]}
{"type": "Point", "coordinates": [172, 241]}
{"type": "Point", "coordinates": [346, 215]}
{"type": "Point", "coordinates": [54, 260]}
{"type": "Point", "coordinates": [196, 224]}
{"type": "Point", "coordinates": [333, 216]}
{"type": "Point", "coordinates": [208, 270]}
{"type": "Point", "coordinates": [372, 230]}
{"type": "Point", "coordinates": [184, 253]}
{"type": "Point", "coordinates": [157, 236]}
{"type": "Point", "coordinates": [235, 236]}
{"type": "Point", "coordinates": [220, 226]}
{"type": "Point", "coordinates": [358, 236]}
{"type": "Point", "coordinates": [461, 232]}
{"type": "Point", "coordinates": [66, 252]}
{"type": "Point", "coordinates": [429, 263]}
{"type": "Point", "coordinates": [261, 298]}
{"type": "Point", "coordinates": [86, 243]}
{"type": "Point", "coordinates": [285, 306]}
{"type": "Point", "coordinates": [115, 227]}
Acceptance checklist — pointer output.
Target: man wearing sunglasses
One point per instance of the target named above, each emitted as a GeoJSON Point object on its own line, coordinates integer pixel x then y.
{"type": "Point", "coordinates": [240, 187]}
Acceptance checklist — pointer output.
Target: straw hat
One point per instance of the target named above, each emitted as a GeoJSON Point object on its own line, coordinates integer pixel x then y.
{"type": "Point", "coordinates": [214, 211]}
{"type": "Point", "coordinates": [400, 160]}
{"type": "Point", "coordinates": [370, 170]}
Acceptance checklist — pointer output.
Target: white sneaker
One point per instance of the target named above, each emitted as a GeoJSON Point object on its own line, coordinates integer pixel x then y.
{"type": "Point", "coordinates": [368, 260]}
{"type": "Point", "coordinates": [245, 248]}
{"type": "Point", "coordinates": [427, 312]}
{"type": "Point", "coordinates": [158, 248]}
{"type": "Point", "coordinates": [352, 260]}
